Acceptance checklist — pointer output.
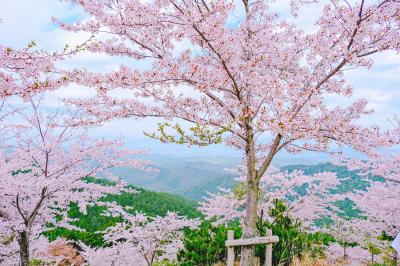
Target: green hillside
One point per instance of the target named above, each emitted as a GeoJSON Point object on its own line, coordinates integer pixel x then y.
{"type": "Point", "coordinates": [149, 202]}
{"type": "Point", "coordinates": [156, 203]}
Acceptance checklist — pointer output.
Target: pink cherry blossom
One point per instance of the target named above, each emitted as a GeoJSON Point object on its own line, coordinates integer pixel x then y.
{"type": "Point", "coordinates": [27, 71]}
{"type": "Point", "coordinates": [142, 240]}
{"type": "Point", "coordinates": [44, 168]}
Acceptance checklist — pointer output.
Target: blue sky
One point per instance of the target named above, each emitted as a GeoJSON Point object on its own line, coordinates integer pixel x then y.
{"type": "Point", "coordinates": [26, 20]}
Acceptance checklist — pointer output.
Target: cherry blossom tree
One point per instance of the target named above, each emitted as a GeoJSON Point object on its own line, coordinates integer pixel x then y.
{"type": "Point", "coordinates": [142, 240]}
{"type": "Point", "coordinates": [240, 73]}
{"type": "Point", "coordinates": [44, 169]}
{"type": "Point", "coordinates": [348, 234]}
{"type": "Point", "coordinates": [353, 255]}
{"type": "Point", "coordinates": [356, 237]}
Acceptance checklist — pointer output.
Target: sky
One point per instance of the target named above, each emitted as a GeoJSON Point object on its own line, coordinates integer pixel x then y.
{"type": "Point", "coordinates": [26, 20]}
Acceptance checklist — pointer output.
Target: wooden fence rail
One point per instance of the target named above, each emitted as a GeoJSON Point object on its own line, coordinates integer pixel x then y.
{"type": "Point", "coordinates": [231, 243]}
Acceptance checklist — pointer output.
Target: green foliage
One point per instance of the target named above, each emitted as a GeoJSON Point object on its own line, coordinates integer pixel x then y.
{"type": "Point", "coordinates": [239, 189]}
{"type": "Point", "coordinates": [348, 209]}
{"type": "Point", "coordinates": [89, 238]}
{"type": "Point", "coordinates": [38, 262]}
{"type": "Point", "coordinates": [155, 203]}
{"type": "Point", "coordinates": [293, 240]}
{"type": "Point", "coordinates": [200, 135]}
{"type": "Point", "coordinates": [206, 245]}
{"type": "Point", "coordinates": [21, 172]}
{"type": "Point", "coordinates": [385, 237]}
{"type": "Point", "coordinates": [93, 221]}
{"type": "Point", "coordinates": [31, 44]}
{"type": "Point", "coordinates": [165, 263]}
{"type": "Point", "coordinates": [326, 221]}
{"type": "Point", "coordinates": [374, 250]}
{"type": "Point", "coordinates": [100, 181]}
{"type": "Point", "coordinates": [345, 245]}
{"type": "Point", "coordinates": [350, 181]}
{"type": "Point", "coordinates": [8, 239]}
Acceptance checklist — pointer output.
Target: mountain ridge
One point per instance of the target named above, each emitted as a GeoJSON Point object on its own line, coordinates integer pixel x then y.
{"type": "Point", "coordinates": [194, 178]}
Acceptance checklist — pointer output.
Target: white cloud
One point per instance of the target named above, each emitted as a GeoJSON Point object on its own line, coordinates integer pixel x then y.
{"type": "Point", "coordinates": [26, 20]}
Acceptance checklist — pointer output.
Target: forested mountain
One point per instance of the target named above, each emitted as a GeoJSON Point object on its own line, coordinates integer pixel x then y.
{"type": "Point", "coordinates": [194, 177]}
{"type": "Point", "coordinates": [190, 178]}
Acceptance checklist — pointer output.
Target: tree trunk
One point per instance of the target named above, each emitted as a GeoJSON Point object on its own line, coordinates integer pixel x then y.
{"type": "Point", "coordinates": [23, 242]}
{"type": "Point", "coordinates": [250, 223]}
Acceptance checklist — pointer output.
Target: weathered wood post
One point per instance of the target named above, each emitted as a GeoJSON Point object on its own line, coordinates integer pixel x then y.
{"type": "Point", "coordinates": [230, 243]}
{"type": "Point", "coordinates": [268, 251]}
{"type": "Point", "coordinates": [231, 252]}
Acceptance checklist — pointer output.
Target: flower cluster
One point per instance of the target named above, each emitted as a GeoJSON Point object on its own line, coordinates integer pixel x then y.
{"type": "Point", "coordinates": [141, 240]}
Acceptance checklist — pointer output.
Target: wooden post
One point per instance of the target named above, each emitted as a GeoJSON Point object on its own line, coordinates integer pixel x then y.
{"type": "Point", "coordinates": [268, 251]}
{"type": "Point", "coordinates": [231, 254]}
{"type": "Point", "coordinates": [231, 242]}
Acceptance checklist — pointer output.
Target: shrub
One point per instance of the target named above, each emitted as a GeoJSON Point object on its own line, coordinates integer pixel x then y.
{"type": "Point", "coordinates": [206, 245]}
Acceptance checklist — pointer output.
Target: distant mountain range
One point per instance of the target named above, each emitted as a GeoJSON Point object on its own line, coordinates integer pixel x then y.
{"type": "Point", "coordinates": [193, 177]}
{"type": "Point", "coordinates": [186, 176]}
